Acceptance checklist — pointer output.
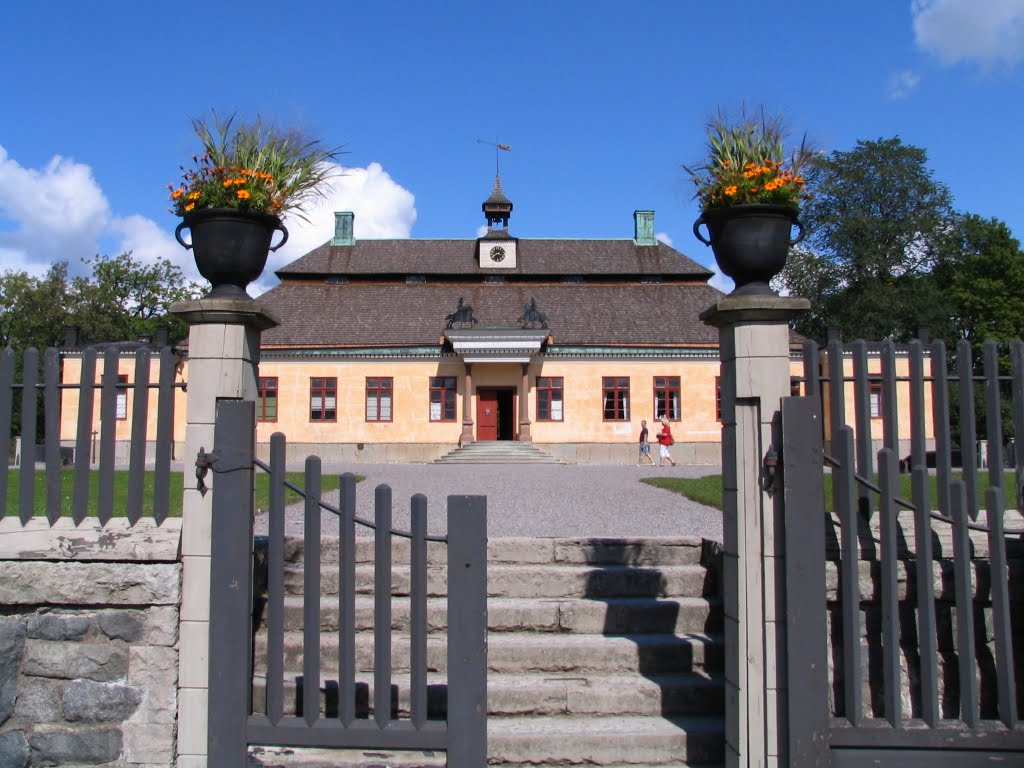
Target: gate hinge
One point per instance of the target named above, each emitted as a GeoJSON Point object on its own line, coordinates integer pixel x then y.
{"type": "Point", "coordinates": [220, 461]}
{"type": "Point", "coordinates": [769, 467]}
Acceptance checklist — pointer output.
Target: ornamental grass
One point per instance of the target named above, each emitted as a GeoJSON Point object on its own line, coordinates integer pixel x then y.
{"type": "Point", "coordinates": [254, 167]}
{"type": "Point", "coordinates": [746, 163]}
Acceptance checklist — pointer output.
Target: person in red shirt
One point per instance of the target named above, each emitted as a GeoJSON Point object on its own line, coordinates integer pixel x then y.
{"type": "Point", "coordinates": [664, 441]}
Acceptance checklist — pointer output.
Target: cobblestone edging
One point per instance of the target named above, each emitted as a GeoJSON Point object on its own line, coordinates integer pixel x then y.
{"type": "Point", "coordinates": [88, 663]}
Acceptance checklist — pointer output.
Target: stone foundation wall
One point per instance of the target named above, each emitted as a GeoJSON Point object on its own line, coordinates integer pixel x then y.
{"type": "Point", "coordinates": [709, 453]}
{"type": "Point", "coordinates": [88, 663]}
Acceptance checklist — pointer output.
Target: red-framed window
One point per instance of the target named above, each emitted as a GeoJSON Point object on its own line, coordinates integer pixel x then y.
{"type": "Point", "coordinates": [323, 399]}
{"type": "Point", "coordinates": [266, 405]}
{"type": "Point", "coordinates": [379, 398]}
{"type": "Point", "coordinates": [718, 398]}
{"type": "Point", "coordinates": [549, 398]}
{"type": "Point", "coordinates": [121, 412]}
{"type": "Point", "coordinates": [875, 399]}
{"type": "Point", "coordinates": [615, 398]}
{"type": "Point", "coordinates": [442, 398]}
{"type": "Point", "coordinates": [667, 398]}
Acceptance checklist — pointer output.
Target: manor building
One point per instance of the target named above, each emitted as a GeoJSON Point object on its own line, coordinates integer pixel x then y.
{"type": "Point", "coordinates": [404, 349]}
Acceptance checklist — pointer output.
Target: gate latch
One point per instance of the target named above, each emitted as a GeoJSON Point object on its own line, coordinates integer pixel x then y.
{"type": "Point", "coordinates": [769, 466]}
{"type": "Point", "coordinates": [220, 461]}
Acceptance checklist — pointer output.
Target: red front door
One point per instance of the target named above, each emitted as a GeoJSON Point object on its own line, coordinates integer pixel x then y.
{"type": "Point", "coordinates": [486, 414]}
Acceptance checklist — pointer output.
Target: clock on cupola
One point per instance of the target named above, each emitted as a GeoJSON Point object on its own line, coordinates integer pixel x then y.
{"type": "Point", "coordinates": [497, 248]}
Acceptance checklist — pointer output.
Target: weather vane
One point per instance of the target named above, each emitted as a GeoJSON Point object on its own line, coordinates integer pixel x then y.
{"type": "Point", "coordinates": [497, 146]}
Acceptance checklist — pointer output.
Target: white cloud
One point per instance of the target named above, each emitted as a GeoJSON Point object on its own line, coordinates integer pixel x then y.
{"type": "Point", "coordinates": [59, 213]}
{"type": "Point", "coordinates": [902, 84]}
{"type": "Point", "coordinates": [481, 230]}
{"type": "Point", "coordinates": [720, 281]}
{"type": "Point", "coordinates": [53, 213]}
{"type": "Point", "coordinates": [664, 237]}
{"type": "Point", "coordinates": [382, 207]}
{"type": "Point", "coordinates": [990, 32]}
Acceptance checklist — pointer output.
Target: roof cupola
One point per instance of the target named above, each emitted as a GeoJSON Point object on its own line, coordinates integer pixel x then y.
{"type": "Point", "coordinates": [497, 207]}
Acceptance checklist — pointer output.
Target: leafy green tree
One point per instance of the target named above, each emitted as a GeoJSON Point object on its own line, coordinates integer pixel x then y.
{"type": "Point", "coordinates": [877, 223]}
{"type": "Point", "coordinates": [123, 299]}
{"type": "Point", "coordinates": [34, 310]}
{"type": "Point", "coordinates": [982, 277]}
{"type": "Point", "coordinates": [126, 299]}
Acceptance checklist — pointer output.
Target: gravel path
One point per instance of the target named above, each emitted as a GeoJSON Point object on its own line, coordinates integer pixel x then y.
{"type": "Point", "coordinates": [535, 500]}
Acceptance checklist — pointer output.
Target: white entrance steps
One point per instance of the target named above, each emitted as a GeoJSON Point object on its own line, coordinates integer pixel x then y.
{"type": "Point", "coordinates": [498, 452]}
{"type": "Point", "coordinates": [602, 652]}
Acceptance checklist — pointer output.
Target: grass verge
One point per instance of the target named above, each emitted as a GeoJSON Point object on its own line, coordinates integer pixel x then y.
{"type": "Point", "coordinates": [262, 497]}
{"type": "Point", "coordinates": [708, 490]}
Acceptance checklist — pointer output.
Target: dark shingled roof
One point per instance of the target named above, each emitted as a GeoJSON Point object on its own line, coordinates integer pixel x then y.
{"type": "Point", "coordinates": [359, 314]}
{"type": "Point", "coordinates": [459, 257]}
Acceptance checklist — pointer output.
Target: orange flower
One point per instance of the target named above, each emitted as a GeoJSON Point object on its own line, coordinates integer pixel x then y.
{"type": "Point", "coordinates": [731, 190]}
{"type": "Point", "coordinates": [227, 183]}
{"type": "Point", "coordinates": [243, 194]}
{"type": "Point", "coordinates": [195, 195]}
{"type": "Point", "coordinates": [189, 207]}
{"type": "Point", "coordinates": [177, 193]}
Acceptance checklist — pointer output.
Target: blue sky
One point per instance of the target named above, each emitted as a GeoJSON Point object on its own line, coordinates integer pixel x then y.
{"type": "Point", "coordinates": [601, 102]}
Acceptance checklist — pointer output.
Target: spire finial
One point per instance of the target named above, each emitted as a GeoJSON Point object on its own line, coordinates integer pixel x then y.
{"type": "Point", "coordinates": [497, 146]}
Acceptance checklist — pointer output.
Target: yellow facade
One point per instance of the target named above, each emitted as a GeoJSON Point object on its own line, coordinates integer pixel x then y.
{"type": "Point", "coordinates": [71, 373]}
{"type": "Point", "coordinates": [582, 420]}
{"type": "Point", "coordinates": [874, 364]}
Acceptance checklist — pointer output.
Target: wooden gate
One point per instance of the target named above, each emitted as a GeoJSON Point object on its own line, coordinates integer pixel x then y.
{"type": "Point", "coordinates": [233, 726]}
{"type": "Point", "coordinates": [902, 605]}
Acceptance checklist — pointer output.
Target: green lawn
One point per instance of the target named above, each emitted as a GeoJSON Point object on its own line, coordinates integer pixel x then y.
{"type": "Point", "coordinates": [708, 490]}
{"type": "Point", "coordinates": [328, 483]}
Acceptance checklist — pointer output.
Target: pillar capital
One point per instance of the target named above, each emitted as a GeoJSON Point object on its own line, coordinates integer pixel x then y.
{"type": "Point", "coordinates": [733, 310]}
{"type": "Point", "coordinates": [247, 312]}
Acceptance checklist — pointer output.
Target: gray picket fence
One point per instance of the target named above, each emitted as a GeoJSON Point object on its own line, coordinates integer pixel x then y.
{"type": "Point", "coordinates": [46, 391]}
{"type": "Point", "coordinates": [904, 610]}
{"type": "Point", "coordinates": [233, 724]}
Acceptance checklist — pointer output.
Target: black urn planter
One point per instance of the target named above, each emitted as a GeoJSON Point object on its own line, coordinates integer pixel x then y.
{"type": "Point", "coordinates": [751, 243]}
{"type": "Point", "coordinates": [230, 246]}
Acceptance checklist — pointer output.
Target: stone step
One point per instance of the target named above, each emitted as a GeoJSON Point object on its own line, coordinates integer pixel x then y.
{"type": "Point", "coordinates": [520, 652]}
{"type": "Point", "coordinates": [687, 550]}
{"type": "Point", "coordinates": [498, 452]}
{"type": "Point", "coordinates": [550, 741]}
{"type": "Point", "coordinates": [605, 740]}
{"type": "Point", "coordinates": [612, 616]}
{"type": "Point", "coordinates": [532, 694]}
{"type": "Point", "coordinates": [536, 581]}
{"type": "Point", "coordinates": [306, 757]}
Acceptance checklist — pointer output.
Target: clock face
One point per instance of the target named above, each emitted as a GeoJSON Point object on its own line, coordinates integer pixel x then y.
{"type": "Point", "coordinates": [497, 253]}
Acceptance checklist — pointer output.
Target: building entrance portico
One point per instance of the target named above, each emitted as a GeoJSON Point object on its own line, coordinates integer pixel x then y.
{"type": "Point", "coordinates": [490, 355]}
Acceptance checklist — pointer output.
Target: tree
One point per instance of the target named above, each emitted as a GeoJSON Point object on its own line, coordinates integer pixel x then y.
{"type": "Point", "coordinates": [982, 278]}
{"type": "Point", "coordinates": [877, 224]}
{"type": "Point", "coordinates": [34, 310]}
{"type": "Point", "coordinates": [123, 299]}
{"type": "Point", "coordinates": [126, 299]}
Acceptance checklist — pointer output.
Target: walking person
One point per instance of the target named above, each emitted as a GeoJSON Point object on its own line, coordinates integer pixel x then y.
{"type": "Point", "coordinates": [645, 446]}
{"type": "Point", "coordinates": [665, 439]}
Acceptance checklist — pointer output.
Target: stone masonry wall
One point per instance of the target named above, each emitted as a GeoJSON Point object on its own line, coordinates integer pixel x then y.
{"type": "Point", "coordinates": [88, 663]}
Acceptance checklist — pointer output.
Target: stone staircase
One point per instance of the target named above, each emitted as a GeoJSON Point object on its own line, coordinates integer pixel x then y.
{"type": "Point", "coordinates": [600, 652]}
{"type": "Point", "coordinates": [498, 452]}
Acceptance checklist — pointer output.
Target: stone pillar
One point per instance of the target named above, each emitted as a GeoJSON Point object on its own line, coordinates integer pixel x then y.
{"type": "Point", "coordinates": [524, 406]}
{"type": "Point", "coordinates": [754, 349]}
{"type": "Point", "coordinates": [223, 359]}
{"type": "Point", "coordinates": [467, 408]}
